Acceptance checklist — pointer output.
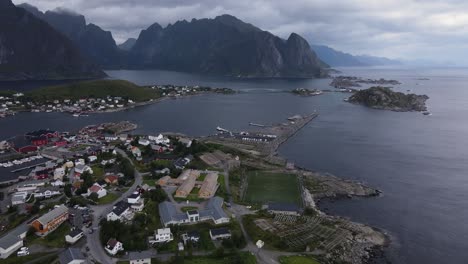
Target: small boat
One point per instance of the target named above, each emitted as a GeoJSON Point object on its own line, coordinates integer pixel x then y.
{"type": "Point", "coordinates": [221, 129]}
{"type": "Point", "coordinates": [427, 113]}
{"type": "Point", "coordinates": [76, 115]}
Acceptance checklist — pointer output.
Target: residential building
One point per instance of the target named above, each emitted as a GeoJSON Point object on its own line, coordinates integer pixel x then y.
{"type": "Point", "coordinates": [18, 198]}
{"type": "Point", "coordinates": [220, 233]}
{"type": "Point", "coordinates": [98, 189]}
{"type": "Point", "coordinates": [22, 144]}
{"type": "Point", "coordinates": [163, 235]}
{"type": "Point", "coordinates": [140, 257]}
{"type": "Point", "coordinates": [72, 256]}
{"type": "Point", "coordinates": [111, 179]}
{"type": "Point", "coordinates": [50, 221]}
{"type": "Point", "coordinates": [136, 152]}
{"type": "Point", "coordinates": [192, 236]}
{"type": "Point", "coordinates": [80, 169]}
{"type": "Point", "coordinates": [143, 142]}
{"type": "Point", "coordinates": [134, 198]}
{"type": "Point", "coordinates": [59, 173]}
{"type": "Point", "coordinates": [121, 212]}
{"type": "Point", "coordinates": [74, 235]}
{"type": "Point", "coordinates": [113, 246]}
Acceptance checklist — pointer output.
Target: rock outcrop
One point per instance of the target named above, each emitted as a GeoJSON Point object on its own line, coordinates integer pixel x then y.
{"type": "Point", "coordinates": [386, 99]}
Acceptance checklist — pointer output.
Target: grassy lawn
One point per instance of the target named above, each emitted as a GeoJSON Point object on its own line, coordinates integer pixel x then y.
{"type": "Point", "coordinates": [109, 198]}
{"type": "Point", "coordinates": [56, 239]}
{"type": "Point", "coordinates": [148, 180]}
{"type": "Point", "coordinates": [98, 172]}
{"type": "Point", "coordinates": [297, 260]}
{"type": "Point", "coordinates": [266, 187]}
{"type": "Point", "coordinates": [222, 188]}
{"type": "Point", "coordinates": [188, 208]}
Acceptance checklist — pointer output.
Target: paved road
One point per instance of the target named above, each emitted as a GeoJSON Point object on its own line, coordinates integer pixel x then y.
{"type": "Point", "coordinates": [96, 250]}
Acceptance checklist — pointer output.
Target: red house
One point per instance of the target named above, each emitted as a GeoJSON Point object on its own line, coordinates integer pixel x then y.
{"type": "Point", "coordinates": [61, 143]}
{"type": "Point", "coordinates": [22, 144]}
{"type": "Point", "coordinates": [40, 141]}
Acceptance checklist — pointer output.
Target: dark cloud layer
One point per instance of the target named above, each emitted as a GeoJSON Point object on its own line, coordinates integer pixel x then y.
{"type": "Point", "coordinates": [412, 29]}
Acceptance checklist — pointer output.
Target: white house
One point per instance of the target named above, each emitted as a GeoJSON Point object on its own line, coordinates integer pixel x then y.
{"type": "Point", "coordinates": [220, 233]}
{"type": "Point", "coordinates": [18, 198]}
{"type": "Point", "coordinates": [136, 152]}
{"type": "Point", "coordinates": [57, 183]}
{"type": "Point", "coordinates": [134, 198]}
{"type": "Point", "coordinates": [113, 246]}
{"type": "Point", "coordinates": [121, 212]}
{"type": "Point", "coordinates": [59, 173]}
{"type": "Point", "coordinates": [140, 257]}
{"type": "Point", "coordinates": [74, 236]}
{"type": "Point", "coordinates": [162, 235]}
{"type": "Point", "coordinates": [80, 169]}
{"type": "Point", "coordinates": [143, 142]}
{"type": "Point", "coordinates": [160, 139]}
{"type": "Point", "coordinates": [96, 188]}
{"type": "Point", "coordinates": [92, 158]}
{"type": "Point", "coordinates": [110, 137]}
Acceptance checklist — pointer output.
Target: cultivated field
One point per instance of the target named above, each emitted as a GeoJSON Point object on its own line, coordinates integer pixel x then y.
{"type": "Point", "coordinates": [263, 187]}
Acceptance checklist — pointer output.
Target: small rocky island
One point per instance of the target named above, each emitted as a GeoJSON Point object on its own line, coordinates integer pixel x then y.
{"type": "Point", "coordinates": [306, 92]}
{"type": "Point", "coordinates": [353, 81]}
{"type": "Point", "coordinates": [384, 98]}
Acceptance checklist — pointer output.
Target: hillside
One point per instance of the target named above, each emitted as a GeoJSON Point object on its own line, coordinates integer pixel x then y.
{"type": "Point", "coordinates": [224, 46]}
{"type": "Point", "coordinates": [94, 89]}
{"type": "Point", "coordinates": [30, 49]}
{"type": "Point", "coordinates": [95, 43]}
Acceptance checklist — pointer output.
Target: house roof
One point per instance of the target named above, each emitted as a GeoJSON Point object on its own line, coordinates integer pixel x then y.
{"type": "Point", "coordinates": [20, 141]}
{"type": "Point", "coordinates": [220, 231]}
{"type": "Point", "coordinates": [168, 213]}
{"type": "Point", "coordinates": [70, 254]}
{"type": "Point", "coordinates": [95, 188]}
{"type": "Point", "coordinates": [8, 240]}
{"type": "Point", "coordinates": [120, 208]}
{"type": "Point", "coordinates": [193, 234]}
{"type": "Point", "coordinates": [48, 217]}
{"type": "Point", "coordinates": [139, 255]}
{"type": "Point", "coordinates": [134, 195]}
{"type": "Point", "coordinates": [112, 243]}
{"type": "Point", "coordinates": [112, 178]}
{"type": "Point", "coordinates": [75, 232]}
{"type": "Point", "coordinates": [214, 208]}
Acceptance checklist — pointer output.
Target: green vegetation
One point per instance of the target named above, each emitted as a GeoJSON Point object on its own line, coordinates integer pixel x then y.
{"type": "Point", "coordinates": [94, 89]}
{"type": "Point", "coordinates": [298, 260]}
{"type": "Point", "coordinates": [188, 208]}
{"type": "Point", "coordinates": [149, 180]}
{"type": "Point", "coordinates": [109, 198]}
{"type": "Point", "coordinates": [266, 187]}
{"type": "Point", "coordinates": [271, 240]}
{"type": "Point", "coordinates": [56, 239]}
{"type": "Point", "coordinates": [240, 257]}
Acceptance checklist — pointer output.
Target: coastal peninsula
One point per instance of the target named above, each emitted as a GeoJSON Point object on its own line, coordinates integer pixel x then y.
{"type": "Point", "coordinates": [384, 98]}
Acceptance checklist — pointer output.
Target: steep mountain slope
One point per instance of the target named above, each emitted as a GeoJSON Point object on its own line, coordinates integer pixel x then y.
{"type": "Point", "coordinates": [128, 44]}
{"type": "Point", "coordinates": [95, 43]}
{"type": "Point", "coordinates": [227, 46]}
{"type": "Point", "coordinates": [32, 49]}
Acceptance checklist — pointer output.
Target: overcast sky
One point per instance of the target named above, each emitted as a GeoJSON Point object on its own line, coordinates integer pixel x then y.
{"type": "Point", "coordinates": [410, 29]}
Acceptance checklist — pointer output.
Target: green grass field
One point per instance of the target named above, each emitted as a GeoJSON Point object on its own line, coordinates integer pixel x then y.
{"type": "Point", "coordinates": [297, 260]}
{"type": "Point", "coordinates": [266, 187]}
{"type": "Point", "coordinates": [94, 89]}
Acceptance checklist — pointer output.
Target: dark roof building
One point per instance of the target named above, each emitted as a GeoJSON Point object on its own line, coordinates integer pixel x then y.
{"type": "Point", "coordinates": [72, 255]}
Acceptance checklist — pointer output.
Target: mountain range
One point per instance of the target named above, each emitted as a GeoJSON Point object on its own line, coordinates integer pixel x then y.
{"type": "Point", "coordinates": [224, 45]}
{"type": "Point", "coordinates": [336, 58]}
{"type": "Point", "coordinates": [32, 49]}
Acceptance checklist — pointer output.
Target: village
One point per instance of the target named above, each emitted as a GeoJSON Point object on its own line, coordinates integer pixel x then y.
{"type": "Point", "coordinates": [105, 195]}
{"type": "Point", "coordinates": [11, 103]}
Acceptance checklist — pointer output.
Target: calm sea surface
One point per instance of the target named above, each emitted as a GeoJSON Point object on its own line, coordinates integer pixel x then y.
{"type": "Point", "coordinates": [419, 162]}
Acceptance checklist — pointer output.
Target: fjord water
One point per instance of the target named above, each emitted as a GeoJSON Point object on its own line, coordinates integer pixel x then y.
{"type": "Point", "coordinates": [419, 162]}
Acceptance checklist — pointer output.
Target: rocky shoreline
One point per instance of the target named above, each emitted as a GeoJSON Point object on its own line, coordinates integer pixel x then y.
{"type": "Point", "coordinates": [384, 98]}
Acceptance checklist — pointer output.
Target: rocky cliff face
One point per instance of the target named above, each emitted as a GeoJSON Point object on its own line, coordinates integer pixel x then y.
{"type": "Point", "coordinates": [31, 49]}
{"type": "Point", "coordinates": [128, 44]}
{"type": "Point", "coordinates": [227, 46]}
{"type": "Point", "coordinates": [95, 43]}
{"type": "Point", "coordinates": [386, 99]}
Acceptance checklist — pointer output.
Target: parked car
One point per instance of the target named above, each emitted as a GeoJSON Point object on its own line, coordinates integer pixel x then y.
{"type": "Point", "coordinates": [22, 253]}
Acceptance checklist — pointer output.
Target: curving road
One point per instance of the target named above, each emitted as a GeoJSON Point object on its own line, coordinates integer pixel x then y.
{"type": "Point", "coordinates": [96, 250]}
